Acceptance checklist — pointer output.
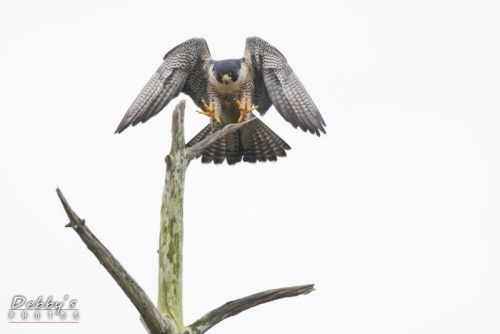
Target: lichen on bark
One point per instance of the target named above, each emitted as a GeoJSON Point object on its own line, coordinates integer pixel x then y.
{"type": "Point", "coordinates": [171, 225]}
{"type": "Point", "coordinates": [166, 318]}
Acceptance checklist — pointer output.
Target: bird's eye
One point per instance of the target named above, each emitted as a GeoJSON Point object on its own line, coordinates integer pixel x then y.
{"type": "Point", "coordinates": [231, 73]}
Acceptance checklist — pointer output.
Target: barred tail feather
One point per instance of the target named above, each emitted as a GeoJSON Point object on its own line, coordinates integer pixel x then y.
{"type": "Point", "coordinates": [234, 152]}
{"type": "Point", "coordinates": [219, 151]}
{"type": "Point", "coordinates": [259, 147]}
{"type": "Point", "coordinates": [251, 143]}
{"type": "Point", "coordinates": [262, 145]}
{"type": "Point", "coordinates": [277, 144]}
{"type": "Point", "coordinates": [207, 131]}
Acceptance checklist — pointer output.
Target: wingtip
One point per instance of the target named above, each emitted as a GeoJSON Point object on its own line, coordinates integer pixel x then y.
{"type": "Point", "coordinates": [121, 127]}
{"type": "Point", "coordinates": [119, 130]}
{"type": "Point", "coordinates": [318, 130]}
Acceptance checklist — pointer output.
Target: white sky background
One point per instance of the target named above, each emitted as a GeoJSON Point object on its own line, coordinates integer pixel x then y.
{"type": "Point", "coordinates": [394, 214]}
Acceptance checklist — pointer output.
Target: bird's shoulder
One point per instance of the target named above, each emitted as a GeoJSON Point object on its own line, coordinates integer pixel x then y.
{"type": "Point", "coordinates": [194, 48]}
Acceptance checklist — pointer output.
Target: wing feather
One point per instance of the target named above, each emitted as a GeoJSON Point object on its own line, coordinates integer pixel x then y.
{"type": "Point", "coordinates": [183, 70]}
{"type": "Point", "coordinates": [276, 83]}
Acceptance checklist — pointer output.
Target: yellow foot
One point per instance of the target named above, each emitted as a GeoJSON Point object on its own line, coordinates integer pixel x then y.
{"type": "Point", "coordinates": [209, 111]}
{"type": "Point", "coordinates": [245, 108]}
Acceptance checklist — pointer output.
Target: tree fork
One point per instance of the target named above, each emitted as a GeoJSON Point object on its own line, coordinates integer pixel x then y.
{"type": "Point", "coordinates": [167, 318]}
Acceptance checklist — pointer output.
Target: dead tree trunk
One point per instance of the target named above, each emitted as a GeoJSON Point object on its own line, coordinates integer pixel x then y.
{"type": "Point", "coordinates": [167, 317]}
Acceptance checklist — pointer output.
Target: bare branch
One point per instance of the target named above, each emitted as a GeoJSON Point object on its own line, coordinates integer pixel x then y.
{"type": "Point", "coordinates": [154, 320]}
{"type": "Point", "coordinates": [236, 306]}
{"type": "Point", "coordinates": [167, 319]}
{"type": "Point", "coordinates": [197, 148]}
{"type": "Point", "coordinates": [145, 325]}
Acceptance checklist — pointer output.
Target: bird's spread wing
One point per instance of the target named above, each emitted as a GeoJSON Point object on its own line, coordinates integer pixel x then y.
{"type": "Point", "coordinates": [276, 84]}
{"type": "Point", "coordinates": [183, 69]}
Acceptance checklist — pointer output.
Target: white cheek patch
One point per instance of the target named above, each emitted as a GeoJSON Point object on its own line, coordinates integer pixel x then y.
{"type": "Point", "coordinates": [212, 79]}
{"type": "Point", "coordinates": [242, 77]}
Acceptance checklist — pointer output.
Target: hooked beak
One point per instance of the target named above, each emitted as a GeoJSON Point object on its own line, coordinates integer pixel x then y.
{"type": "Point", "coordinates": [226, 78]}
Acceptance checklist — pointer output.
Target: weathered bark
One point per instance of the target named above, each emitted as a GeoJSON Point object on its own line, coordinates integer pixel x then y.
{"type": "Point", "coordinates": [236, 306]}
{"type": "Point", "coordinates": [171, 224]}
{"type": "Point", "coordinates": [156, 323]}
{"type": "Point", "coordinates": [167, 319]}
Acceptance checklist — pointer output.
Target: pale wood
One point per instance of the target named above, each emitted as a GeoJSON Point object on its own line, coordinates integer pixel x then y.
{"type": "Point", "coordinates": [154, 320]}
{"type": "Point", "coordinates": [234, 307]}
{"type": "Point", "coordinates": [167, 317]}
{"type": "Point", "coordinates": [171, 223]}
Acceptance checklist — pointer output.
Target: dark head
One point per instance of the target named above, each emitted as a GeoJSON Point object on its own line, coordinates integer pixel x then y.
{"type": "Point", "coordinates": [226, 71]}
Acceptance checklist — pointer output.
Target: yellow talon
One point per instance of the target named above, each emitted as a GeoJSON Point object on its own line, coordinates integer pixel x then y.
{"type": "Point", "coordinates": [245, 108]}
{"type": "Point", "coordinates": [210, 110]}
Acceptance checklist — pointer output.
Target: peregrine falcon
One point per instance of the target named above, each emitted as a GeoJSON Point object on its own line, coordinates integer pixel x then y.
{"type": "Point", "coordinates": [228, 91]}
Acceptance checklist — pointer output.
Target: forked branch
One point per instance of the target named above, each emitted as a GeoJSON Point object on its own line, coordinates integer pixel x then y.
{"type": "Point", "coordinates": [167, 318]}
